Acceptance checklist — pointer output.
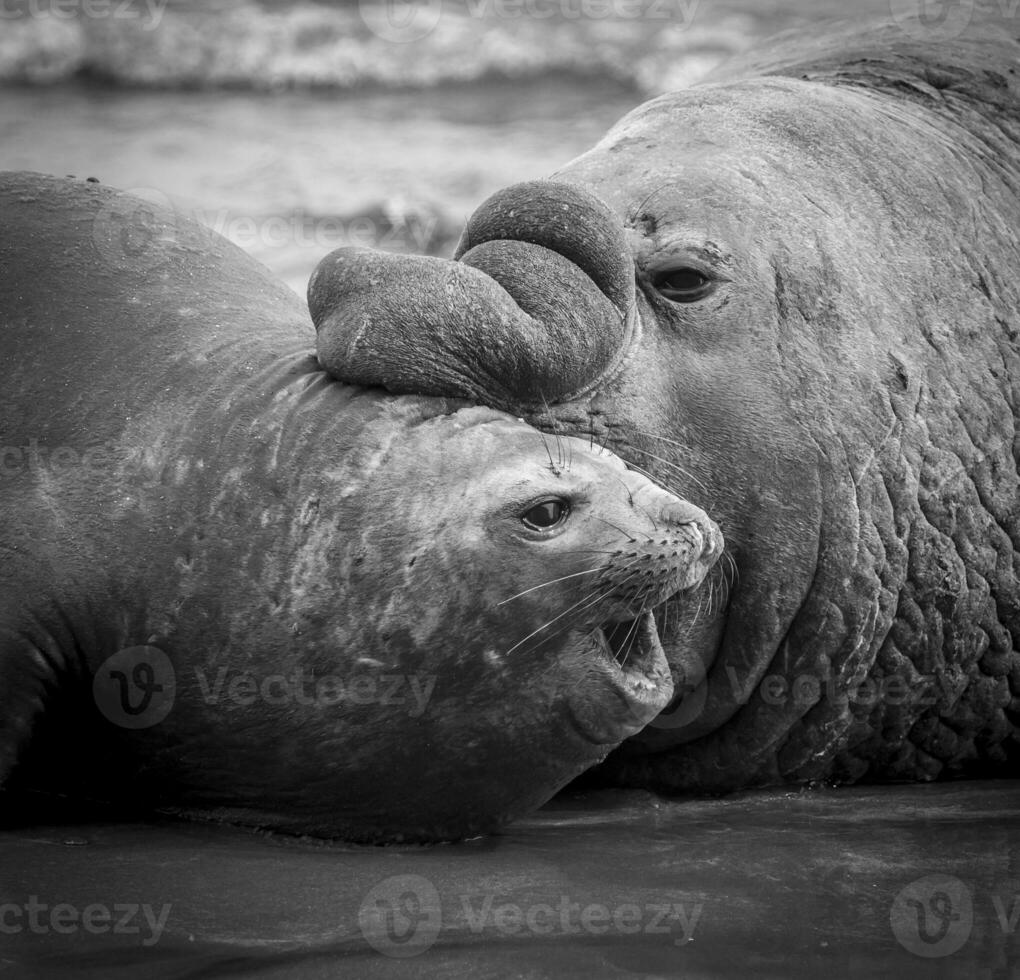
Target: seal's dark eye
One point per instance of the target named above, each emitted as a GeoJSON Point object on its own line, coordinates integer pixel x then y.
{"type": "Point", "coordinates": [682, 285]}
{"type": "Point", "coordinates": [545, 515]}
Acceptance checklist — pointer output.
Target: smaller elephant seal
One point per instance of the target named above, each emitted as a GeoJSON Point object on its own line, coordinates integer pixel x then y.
{"type": "Point", "coordinates": [235, 588]}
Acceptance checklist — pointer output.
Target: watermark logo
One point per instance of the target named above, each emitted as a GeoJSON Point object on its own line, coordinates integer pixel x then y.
{"type": "Point", "coordinates": [401, 21]}
{"type": "Point", "coordinates": [34, 459]}
{"type": "Point", "coordinates": [686, 707]}
{"type": "Point", "coordinates": [805, 690]}
{"type": "Point", "coordinates": [401, 916]}
{"type": "Point", "coordinates": [135, 688]}
{"type": "Point", "coordinates": [567, 917]}
{"type": "Point", "coordinates": [396, 232]}
{"type": "Point", "coordinates": [933, 916]}
{"type": "Point", "coordinates": [132, 228]}
{"type": "Point", "coordinates": [149, 13]}
{"type": "Point", "coordinates": [125, 919]}
{"type": "Point", "coordinates": [300, 686]}
{"type": "Point", "coordinates": [932, 20]}
{"type": "Point", "coordinates": [679, 12]}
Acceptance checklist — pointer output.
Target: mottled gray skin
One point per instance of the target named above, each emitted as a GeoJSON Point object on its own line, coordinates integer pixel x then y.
{"type": "Point", "coordinates": [838, 388]}
{"type": "Point", "coordinates": [356, 632]}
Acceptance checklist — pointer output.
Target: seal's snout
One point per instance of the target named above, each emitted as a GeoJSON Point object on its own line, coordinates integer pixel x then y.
{"type": "Point", "coordinates": [707, 552]}
{"type": "Point", "coordinates": [563, 218]}
{"type": "Point", "coordinates": [543, 273]}
{"type": "Point", "coordinates": [711, 538]}
{"type": "Point", "coordinates": [685, 536]}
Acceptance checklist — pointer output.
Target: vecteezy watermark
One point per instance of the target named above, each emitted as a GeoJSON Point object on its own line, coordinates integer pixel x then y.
{"type": "Point", "coordinates": [138, 230]}
{"type": "Point", "coordinates": [932, 20]}
{"type": "Point", "coordinates": [403, 916]}
{"type": "Point", "coordinates": [243, 688]}
{"type": "Point", "coordinates": [679, 11]}
{"type": "Point", "coordinates": [568, 917]}
{"type": "Point", "coordinates": [125, 919]}
{"type": "Point", "coordinates": [686, 708]}
{"type": "Point", "coordinates": [137, 465]}
{"type": "Point", "coordinates": [1007, 912]}
{"type": "Point", "coordinates": [941, 20]}
{"type": "Point", "coordinates": [807, 689]}
{"type": "Point", "coordinates": [136, 687]}
{"type": "Point", "coordinates": [148, 12]}
{"type": "Point", "coordinates": [31, 457]}
{"type": "Point", "coordinates": [132, 229]}
{"type": "Point", "coordinates": [403, 22]}
{"type": "Point", "coordinates": [399, 233]}
{"type": "Point", "coordinates": [934, 916]}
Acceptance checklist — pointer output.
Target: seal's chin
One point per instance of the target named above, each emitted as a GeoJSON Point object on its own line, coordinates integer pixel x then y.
{"type": "Point", "coordinates": [629, 658]}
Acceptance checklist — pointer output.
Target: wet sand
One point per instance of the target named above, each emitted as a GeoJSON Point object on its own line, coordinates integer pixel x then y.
{"type": "Point", "coordinates": [904, 882]}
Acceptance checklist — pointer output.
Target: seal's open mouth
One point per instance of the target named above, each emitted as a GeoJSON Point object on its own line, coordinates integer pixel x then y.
{"type": "Point", "coordinates": [637, 665]}
{"type": "Point", "coordinates": [632, 677]}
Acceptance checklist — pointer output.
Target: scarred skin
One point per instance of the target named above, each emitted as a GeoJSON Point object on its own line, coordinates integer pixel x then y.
{"type": "Point", "coordinates": [799, 304]}
{"type": "Point", "coordinates": [333, 592]}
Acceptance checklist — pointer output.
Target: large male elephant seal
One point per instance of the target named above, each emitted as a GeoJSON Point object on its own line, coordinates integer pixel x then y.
{"type": "Point", "coordinates": [231, 586]}
{"type": "Point", "coordinates": [790, 292]}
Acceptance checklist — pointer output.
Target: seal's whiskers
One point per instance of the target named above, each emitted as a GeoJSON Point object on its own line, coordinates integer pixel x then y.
{"type": "Point", "coordinates": [697, 610]}
{"type": "Point", "coordinates": [548, 452]}
{"type": "Point", "coordinates": [583, 603]}
{"type": "Point", "coordinates": [623, 483]}
{"type": "Point", "coordinates": [626, 534]}
{"type": "Point", "coordinates": [651, 520]}
{"type": "Point", "coordinates": [720, 585]}
{"type": "Point", "coordinates": [658, 481]}
{"type": "Point", "coordinates": [628, 640]}
{"type": "Point", "coordinates": [588, 602]}
{"type": "Point", "coordinates": [686, 474]}
{"type": "Point", "coordinates": [552, 581]}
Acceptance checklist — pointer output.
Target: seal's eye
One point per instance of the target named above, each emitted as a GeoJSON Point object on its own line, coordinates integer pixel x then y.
{"type": "Point", "coordinates": [683, 285]}
{"type": "Point", "coordinates": [545, 515]}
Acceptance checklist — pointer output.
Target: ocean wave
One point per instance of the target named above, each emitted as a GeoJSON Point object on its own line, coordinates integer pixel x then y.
{"type": "Point", "coordinates": [654, 45]}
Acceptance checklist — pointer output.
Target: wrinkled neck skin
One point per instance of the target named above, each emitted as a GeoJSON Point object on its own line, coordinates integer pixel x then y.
{"type": "Point", "coordinates": [841, 405]}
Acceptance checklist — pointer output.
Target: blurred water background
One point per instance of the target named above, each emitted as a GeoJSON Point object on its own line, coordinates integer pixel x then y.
{"type": "Point", "coordinates": [295, 127]}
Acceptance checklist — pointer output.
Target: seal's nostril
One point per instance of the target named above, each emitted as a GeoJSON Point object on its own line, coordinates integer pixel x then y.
{"type": "Point", "coordinates": [711, 542]}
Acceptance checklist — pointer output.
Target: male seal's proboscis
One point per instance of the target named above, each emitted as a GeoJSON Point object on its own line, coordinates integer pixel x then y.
{"type": "Point", "coordinates": [234, 587]}
{"type": "Point", "coordinates": [790, 291]}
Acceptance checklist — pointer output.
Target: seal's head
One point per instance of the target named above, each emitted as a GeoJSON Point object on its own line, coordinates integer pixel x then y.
{"type": "Point", "coordinates": [551, 554]}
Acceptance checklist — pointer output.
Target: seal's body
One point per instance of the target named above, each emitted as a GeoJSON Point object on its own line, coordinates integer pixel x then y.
{"type": "Point", "coordinates": [235, 587]}
{"type": "Point", "coordinates": [799, 304]}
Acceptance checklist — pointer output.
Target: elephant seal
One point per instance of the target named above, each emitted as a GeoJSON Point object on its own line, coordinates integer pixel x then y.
{"type": "Point", "coordinates": [791, 291]}
{"type": "Point", "coordinates": [233, 587]}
